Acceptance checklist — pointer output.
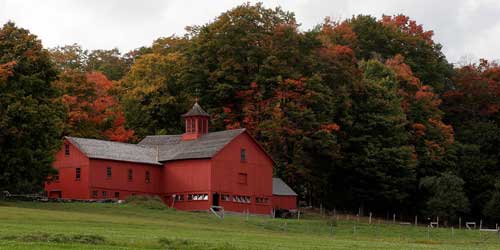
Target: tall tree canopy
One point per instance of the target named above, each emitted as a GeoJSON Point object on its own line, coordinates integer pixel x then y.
{"type": "Point", "coordinates": [30, 121]}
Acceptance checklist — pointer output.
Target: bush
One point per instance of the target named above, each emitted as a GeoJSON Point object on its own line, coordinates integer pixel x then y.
{"type": "Point", "coordinates": [146, 201]}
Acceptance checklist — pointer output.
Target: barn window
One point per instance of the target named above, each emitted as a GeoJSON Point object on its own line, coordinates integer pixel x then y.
{"type": "Point", "coordinates": [261, 200]}
{"type": "Point", "coordinates": [78, 173]}
{"type": "Point", "coordinates": [198, 197]}
{"type": "Point", "coordinates": [243, 155]}
{"type": "Point", "coordinates": [66, 149]}
{"type": "Point", "coordinates": [108, 173]}
{"type": "Point", "coordinates": [130, 175]}
{"type": "Point", "coordinates": [225, 197]}
{"type": "Point", "coordinates": [179, 197]}
{"type": "Point", "coordinates": [104, 194]}
{"type": "Point", "coordinates": [241, 199]}
{"type": "Point", "coordinates": [117, 195]}
{"type": "Point", "coordinates": [94, 194]}
{"type": "Point", "coordinates": [242, 178]}
{"type": "Point", "coordinates": [148, 177]}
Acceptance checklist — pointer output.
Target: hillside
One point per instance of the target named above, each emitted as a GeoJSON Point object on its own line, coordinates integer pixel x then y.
{"type": "Point", "coordinates": [26, 225]}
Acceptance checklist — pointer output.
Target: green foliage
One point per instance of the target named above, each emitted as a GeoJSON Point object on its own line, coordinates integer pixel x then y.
{"type": "Point", "coordinates": [447, 195]}
{"type": "Point", "coordinates": [379, 166]}
{"type": "Point", "coordinates": [30, 122]}
{"type": "Point", "coordinates": [73, 57]}
{"type": "Point", "coordinates": [492, 207]}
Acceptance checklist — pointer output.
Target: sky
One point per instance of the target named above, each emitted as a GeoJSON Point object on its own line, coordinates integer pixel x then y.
{"type": "Point", "coordinates": [467, 29]}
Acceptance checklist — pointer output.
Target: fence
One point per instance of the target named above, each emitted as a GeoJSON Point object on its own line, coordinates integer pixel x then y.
{"type": "Point", "coordinates": [349, 226]}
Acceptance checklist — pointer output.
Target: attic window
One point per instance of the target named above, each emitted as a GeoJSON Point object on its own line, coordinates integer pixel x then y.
{"type": "Point", "coordinates": [243, 155]}
{"type": "Point", "coordinates": [66, 149]}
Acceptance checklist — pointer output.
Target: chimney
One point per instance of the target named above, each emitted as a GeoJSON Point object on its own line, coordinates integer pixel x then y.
{"type": "Point", "coordinates": [195, 123]}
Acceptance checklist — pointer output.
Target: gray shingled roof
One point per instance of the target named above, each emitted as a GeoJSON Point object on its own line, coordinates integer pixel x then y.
{"type": "Point", "coordinates": [157, 148]}
{"type": "Point", "coordinates": [172, 147]}
{"type": "Point", "coordinates": [196, 110]}
{"type": "Point", "coordinates": [108, 150]}
{"type": "Point", "coordinates": [281, 188]}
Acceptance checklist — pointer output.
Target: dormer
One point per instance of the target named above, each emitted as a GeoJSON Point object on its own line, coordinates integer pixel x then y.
{"type": "Point", "coordinates": [196, 123]}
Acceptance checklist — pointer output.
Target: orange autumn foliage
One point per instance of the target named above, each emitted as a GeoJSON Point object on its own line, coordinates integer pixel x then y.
{"type": "Point", "coordinates": [408, 26]}
{"type": "Point", "coordinates": [92, 111]}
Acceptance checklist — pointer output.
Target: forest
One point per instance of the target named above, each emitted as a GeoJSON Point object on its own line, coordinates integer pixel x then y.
{"type": "Point", "coordinates": [361, 114]}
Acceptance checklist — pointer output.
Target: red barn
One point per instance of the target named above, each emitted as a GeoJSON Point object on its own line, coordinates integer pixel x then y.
{"type": "Point", "coordinates": [190, 171]}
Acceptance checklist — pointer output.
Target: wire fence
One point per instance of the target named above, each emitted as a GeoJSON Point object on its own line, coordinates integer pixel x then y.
{"type": "Point", "coordinates": [401, 229]}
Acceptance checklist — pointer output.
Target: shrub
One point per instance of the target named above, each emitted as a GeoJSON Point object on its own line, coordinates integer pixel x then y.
{"type": "Point", "coordinates": [151, 202]}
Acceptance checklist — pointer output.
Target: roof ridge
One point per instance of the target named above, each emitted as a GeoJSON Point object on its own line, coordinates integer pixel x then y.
{"type": "Point", "coordinates": [93, 139]}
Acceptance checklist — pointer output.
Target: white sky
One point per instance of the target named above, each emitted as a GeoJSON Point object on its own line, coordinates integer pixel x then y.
{"type": "Point", "coordinates": [464, 27]}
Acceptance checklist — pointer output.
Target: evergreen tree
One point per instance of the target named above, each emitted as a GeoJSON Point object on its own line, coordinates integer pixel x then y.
{"type": "Point", "coordinates": [379, 162]}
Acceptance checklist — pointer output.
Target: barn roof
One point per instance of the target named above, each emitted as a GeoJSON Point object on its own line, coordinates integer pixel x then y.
{"type": "Point", "coordinates": [281, 188]}
{"type": "Point", "coordinates": [108, 150]}
{"type": "Point", "coordinates": [172, 147]}
{"type": "Point", "coordinates": [157, 148]}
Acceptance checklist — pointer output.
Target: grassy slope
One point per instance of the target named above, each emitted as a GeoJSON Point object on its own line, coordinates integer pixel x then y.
{"type": "Point", "coordinates": [128, 227]}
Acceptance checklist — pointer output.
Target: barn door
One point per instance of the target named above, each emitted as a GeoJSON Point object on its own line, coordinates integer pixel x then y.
{"type": "Point", "coordinates": [215, 199]}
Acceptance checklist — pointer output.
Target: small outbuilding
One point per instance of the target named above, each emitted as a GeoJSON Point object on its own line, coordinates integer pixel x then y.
{"type": "Point", "coordinates": [283, 196]}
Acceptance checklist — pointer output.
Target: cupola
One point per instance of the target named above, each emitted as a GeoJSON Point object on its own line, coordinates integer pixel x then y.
{"type": "Point", "coordinates": [196, 123]}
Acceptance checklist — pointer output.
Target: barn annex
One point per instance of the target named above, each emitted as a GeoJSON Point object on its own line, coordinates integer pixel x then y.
{"type": "Point", "coordinates": [190, 171]}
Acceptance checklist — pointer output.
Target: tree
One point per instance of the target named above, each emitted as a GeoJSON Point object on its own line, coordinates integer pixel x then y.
{"type": "Point", "coordinates": [92, 111]}
{"type": "Point", "coordinates": [379, 162]}
{"type": "Point", "coordinates": [447, 198]}
{"type": "Point", "coordinates": [472, 105]}
{"type": "Point", "coordinates": [110, 62]}
{"type": "Point", "coordinates": [30, 121]}
{"type": "Point", "coordinates": [154, 94]}
{"type": "Point", "coordinates": [385, 38]}
{"type": "Point", "coordinates": [492, 208]}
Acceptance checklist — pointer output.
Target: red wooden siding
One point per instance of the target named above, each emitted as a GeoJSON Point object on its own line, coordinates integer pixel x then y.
{"type": "Point", "coordinates": [227, 168]}
{"type": "Point", "coordinates": [119, 178]}
{"type": "Point", "coordinates": [284, 202]}
{"type": "Point", "coordinates": [186, 177]}
{"type": "Point", "coordinates": [68, 186]}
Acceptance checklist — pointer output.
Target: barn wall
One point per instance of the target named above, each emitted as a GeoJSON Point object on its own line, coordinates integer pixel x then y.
{"type": "Point", "coordinates": [119, 179]}
{"type": "Point", "coordinates": [285, 202]}
{"type": "Point", "coordinates": [258, 167]}
{"type": "Point", "coordinates": [186, 177]}
{"type": "Point", "coordinates": [68, 186]}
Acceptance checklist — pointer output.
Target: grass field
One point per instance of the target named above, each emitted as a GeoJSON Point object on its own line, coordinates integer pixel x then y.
{"type": "Point", "coordinates": [33, 225]}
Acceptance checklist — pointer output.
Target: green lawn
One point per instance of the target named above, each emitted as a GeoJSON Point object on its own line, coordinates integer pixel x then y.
{"type": "Point", "coordinates": [27, 225]}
